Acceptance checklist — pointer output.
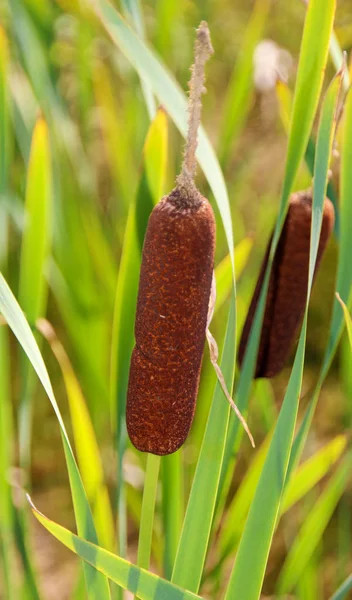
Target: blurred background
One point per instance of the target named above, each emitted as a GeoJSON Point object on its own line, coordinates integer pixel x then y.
{"type": "Point", "coordinates": [63, 65]}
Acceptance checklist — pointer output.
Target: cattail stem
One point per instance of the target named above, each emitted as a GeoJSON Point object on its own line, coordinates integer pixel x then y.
{"type": "Point", "coordinates": [203, 49]}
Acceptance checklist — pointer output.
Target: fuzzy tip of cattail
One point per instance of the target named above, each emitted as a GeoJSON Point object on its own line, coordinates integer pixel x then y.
{"type": "Point", "coordinates": [203, 49]}
{"type": "Point", "coordinates": [288, 285]}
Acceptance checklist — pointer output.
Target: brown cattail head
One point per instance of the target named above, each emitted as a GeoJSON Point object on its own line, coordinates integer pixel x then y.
{"type": "Point", "coordinates": [173, 299]}
{"type": "Point", "coordinates": [288, 284]}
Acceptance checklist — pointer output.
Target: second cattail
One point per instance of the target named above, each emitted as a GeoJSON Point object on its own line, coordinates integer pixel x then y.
{"type": "Point", "coordinates": [288, 284]}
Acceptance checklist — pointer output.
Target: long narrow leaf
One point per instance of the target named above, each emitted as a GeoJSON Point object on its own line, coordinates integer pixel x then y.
{"type": "Point", "coordinates": [313, 529]}
{"type": "Point", "coordinates": [145, 585]}
{"type": "Point", "coordinates": [96, 584]}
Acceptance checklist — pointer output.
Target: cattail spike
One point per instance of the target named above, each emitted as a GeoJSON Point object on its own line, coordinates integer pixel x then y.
{"type": "Point", "coordinates": [173, 299]}
{"type": "Point", "coordinates": [203, 49]}
{"type": "Point", "coordinates": [288, 285]}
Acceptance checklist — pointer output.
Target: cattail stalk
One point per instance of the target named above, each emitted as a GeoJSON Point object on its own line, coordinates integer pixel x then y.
{"type": "Point", "coordinates": [288, 285]}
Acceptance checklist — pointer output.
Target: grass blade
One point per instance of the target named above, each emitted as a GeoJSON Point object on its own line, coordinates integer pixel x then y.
{"type": "Point", "coordinates": [96, 584]}
{"type": "Point", "coordinates": [172, 506]}
{"type": "Point", "coordinates": [148, 507]}
{"type": "Point", "coordinates": [34, 253]}
{"type": "Point", "coordinates": [138, 581]}
{"type": "Point", "coordinates": [87, 449]}
{"type": "Point", "coordinates": [312, 471]}
{"type": "Point", "coordinates": [313, 529]}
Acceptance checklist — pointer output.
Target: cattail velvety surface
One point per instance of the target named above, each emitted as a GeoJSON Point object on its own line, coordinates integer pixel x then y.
{"type": "Point", "coordinates": [288, 284]}
{"type": "Point", "coordinates": [173, 299]}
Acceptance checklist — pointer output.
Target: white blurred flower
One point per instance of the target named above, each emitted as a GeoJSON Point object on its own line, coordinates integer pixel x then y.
{"type": "Point", "coordinates": [270, 64]}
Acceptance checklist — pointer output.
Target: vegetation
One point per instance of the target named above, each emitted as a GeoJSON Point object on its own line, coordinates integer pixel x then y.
{"type": "Point", "coordinates": [92, 116]}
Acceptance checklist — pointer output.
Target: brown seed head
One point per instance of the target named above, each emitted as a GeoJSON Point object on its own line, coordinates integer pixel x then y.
{"type": "Point", "coordinates": [288, 285]}
{"type": "Point", "coordinates": [173, 299]}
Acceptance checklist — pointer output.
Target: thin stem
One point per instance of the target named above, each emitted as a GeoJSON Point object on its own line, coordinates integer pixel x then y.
{"type": "Point", "coordinates": [202, 51]}
{"type": "Point", "coordinates": [147, 515]}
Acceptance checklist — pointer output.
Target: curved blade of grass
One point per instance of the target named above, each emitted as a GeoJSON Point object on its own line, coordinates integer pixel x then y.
{"type": "Point", "coordinates": [197, 525]}
{"type": "Point", "coordinates": [312, 471]}
{"type": "Point", "coordinates": [34, 253]}
{"type": "Point", "coordinates": [249, 568]}
{"type": "Point", "coordinates": [97, 585]}
{"type": "Point", "coordinates": [240, 89]}
{"type": "Point", "coordinates": [133, 9]}
{"type": "Point", "coordinates": [145, 585]}
{"type": "Point", "coordinates": [149, 192]}
{"type": "Point", "coordinates": [347, 317]}
{"type": "Point", "coordinates": [343, 590]}
{"type": "Point", "coordinates": [313, 57]}
{"type": "Point", "coordinates": [169, 94]}
{"type": "Point", "coordinates": [313, 528]}
{"type": "Point", "coordinates": [87, 449]}
{"type": "Point", "coordinates": [302, 481]}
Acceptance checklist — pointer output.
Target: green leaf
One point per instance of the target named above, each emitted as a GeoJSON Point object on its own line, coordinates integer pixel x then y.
{"type": "Point", "coordinates": [312, 471]}
{"type": "Point", "coordinates": [313, 528]}
{"type": "Point", "coordinates": [197, 525]}
{"type": "Point", "coordinates": [96, 584]}
{"type": "Point", "coordinates": [148, 507]}
{"type": "Point", "coordinates": [343, 590]}
{"type": "Point", "coordinates": [87, 449]}
{"type": "Point", "coordinates": [250, 564]}
{"type": "Point", "coordinates": [145, 585]}
{"type": "Point", "coordinates": [173, 503]}
{"type": "Point", "coordinates": [302, 481]}
{"type": "Point", "coordinates": [169, 94]}
{"type": "Point", "coordinates": [36, 236]}
{"type": "Point", "coordinates": [348, 319]}
{"type": "Point", "coordinates": [34, 253]}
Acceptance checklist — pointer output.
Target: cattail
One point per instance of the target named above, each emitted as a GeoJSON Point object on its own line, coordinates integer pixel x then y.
{"type": "Point", "coordinates": [173, 298]}
{"type": "Point", "coordinates": [288, 285]}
